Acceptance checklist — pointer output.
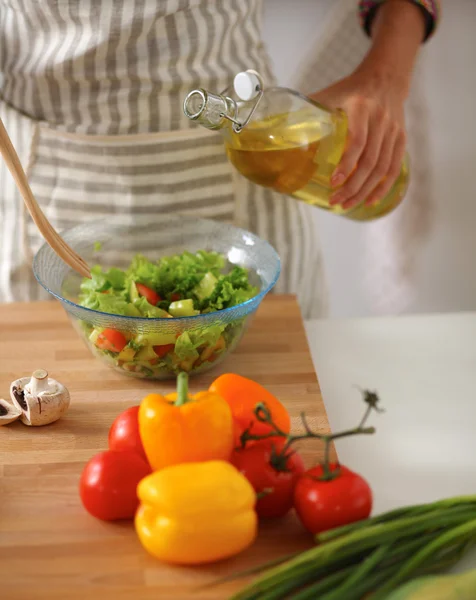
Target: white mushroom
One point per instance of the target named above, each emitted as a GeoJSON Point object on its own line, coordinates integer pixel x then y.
{"type": "Point", "coordinates": [42, 400]}
{"type": "Point", "coordinates": [8, 412]}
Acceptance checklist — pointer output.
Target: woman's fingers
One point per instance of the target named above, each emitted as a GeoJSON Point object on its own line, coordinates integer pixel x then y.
{"type": "Point", "coordinates": [380, 171]}
{"type": "Point", "coordinates": [377, 127]}
{"type": "Point", "coordinates": [393, 171]}
{"type": "Point", "coordinates": [358, 119]}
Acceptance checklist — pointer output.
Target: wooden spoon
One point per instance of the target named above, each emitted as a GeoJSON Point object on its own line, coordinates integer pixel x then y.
{"type": "Point", "coordinates": [56, 242]}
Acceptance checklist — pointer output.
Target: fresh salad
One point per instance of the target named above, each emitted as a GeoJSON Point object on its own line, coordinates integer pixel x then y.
{"type": "Point", "coordinates": [180, 285]}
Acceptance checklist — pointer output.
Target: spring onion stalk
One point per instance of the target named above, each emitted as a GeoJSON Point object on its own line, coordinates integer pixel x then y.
{"type": "Point", "coordinates": [373, 556]}
{"type": "Point", "coordinates": [327, 582]}
{"type": "Point", "coordinates": [338, 581]}
{"type": "Point", "coordinates": [465, 532]}
{"type": "Point", "coordinates": [360, 573]}
{"type": "Point", "coordinates": [357, 542]}
{"type": "Point", "coordinates": [460, 501]}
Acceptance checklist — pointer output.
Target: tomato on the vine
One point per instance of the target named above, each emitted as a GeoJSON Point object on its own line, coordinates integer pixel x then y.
{"type": "Point", "coordinates": [108, 484]}
{"type": "Point", "coordinates": [272, 474]}
{"type": "Point", "coordinates": [325, 504]}
{"type": "Point", "coordinates": [124, 432]}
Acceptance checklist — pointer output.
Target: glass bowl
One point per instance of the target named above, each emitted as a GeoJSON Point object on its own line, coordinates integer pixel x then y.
{"type": "Point", "coordinates": [113, 243]}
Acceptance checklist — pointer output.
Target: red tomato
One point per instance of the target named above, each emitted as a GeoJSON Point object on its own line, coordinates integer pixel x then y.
{"type": "Point", "coordinates": [112, 340]}
{"type": "Point", "coordinates": [238, 429]}
{"type": "Point", "coordinates": [124, 433]}
{"type": "Point", "coordinates": [258, 466]}
{"type": "Point", "coordinates": [150, 295]}
{"type": "Point", "coordinates": [163, 350]}
{"type": "Point", "coordinates": [108, 484]}
{"type": "Point", "coordinates": [323, 505]}
{"type": "Point", "coordinates": [174, 297]}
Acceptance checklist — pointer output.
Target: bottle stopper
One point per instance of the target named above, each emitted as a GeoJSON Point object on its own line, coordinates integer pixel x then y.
{"type": "Point", "coordinates": [247, 85]}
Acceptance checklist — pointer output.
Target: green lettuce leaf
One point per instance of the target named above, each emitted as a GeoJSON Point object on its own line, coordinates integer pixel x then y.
{"type": "Point", "coordinates": [177, 274]}
{"type": "Point", "coordinates": [188, 342]}
{"type": "Point", "coordinates": [109, 303]}
{"type": "Point", "coordinates": [149, 310]}
{"type": "Point", "coordinates": [103, 280]}
{"type": "Point", "coordinates": [116, 278]}
{"type": "Point", "coordinates": [230, 290]}
{"type": "Point", "coordinates": [97, 283]}
{"type": "Point", "coordinates": [197, 277]}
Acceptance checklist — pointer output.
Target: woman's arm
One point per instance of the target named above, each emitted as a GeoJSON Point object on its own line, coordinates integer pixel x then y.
{"type": "Point", "coordinates": [373, 97]}
{"type": "Point", "coordinates": [397, 33]}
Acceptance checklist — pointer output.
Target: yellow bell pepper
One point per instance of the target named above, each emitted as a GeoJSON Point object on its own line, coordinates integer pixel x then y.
{"type": "Point", "coordinates": [179, 428]}
{"type": "Point", "coordinates": [196, 513]}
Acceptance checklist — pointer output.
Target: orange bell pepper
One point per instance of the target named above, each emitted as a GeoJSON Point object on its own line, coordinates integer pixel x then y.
{"type": "Point", "coordinates": [242, 395]}
{"type": "Point", "coordinates": [179, 428]}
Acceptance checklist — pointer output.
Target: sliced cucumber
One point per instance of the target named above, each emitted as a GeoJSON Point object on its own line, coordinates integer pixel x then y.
{"type": "Point", "coordinates": [206, 286]}
{"type": "Point", "coordinates": [94, 335]}
{"type": "Point", "coordinates": [155, 339]}
{"type": "Point", "coordinates": [150, 310]}
{"type": "Point", "coordinates": [183, 308]}
{"type": "Point", "coordinates": [133, 293]}
{"type": "Point", "coordinates": [127, 354]}
{"type": "Point", "coordinates": [146, 353]}
{"type": "Point", "coordinates": [133, 311]}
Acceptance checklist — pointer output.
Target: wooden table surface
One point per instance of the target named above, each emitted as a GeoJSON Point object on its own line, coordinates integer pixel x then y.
{"type": "Point", "coordinates": [50, 548]}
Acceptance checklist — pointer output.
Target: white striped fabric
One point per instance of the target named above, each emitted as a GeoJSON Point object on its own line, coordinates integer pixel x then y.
{"type": "Point", "coordinates": [99, 67]}
{"type": "Point", "coordinates": [92, 97]}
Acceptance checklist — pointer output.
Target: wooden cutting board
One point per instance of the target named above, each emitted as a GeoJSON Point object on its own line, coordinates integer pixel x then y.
{"type": "Point", "coordinates": [50, 548]}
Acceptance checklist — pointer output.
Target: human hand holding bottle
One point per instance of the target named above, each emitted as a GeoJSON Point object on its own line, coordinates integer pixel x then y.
{"type": "Point", "coordinates": [376, 138]}
{"type": "Point", "coordinates": [373, 98]}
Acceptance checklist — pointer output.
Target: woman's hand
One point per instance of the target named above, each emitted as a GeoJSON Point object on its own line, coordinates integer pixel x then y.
{"type": "Point", "coordinates": [376, 143]}
{"type": "Point", "coordinates": [373, 98]}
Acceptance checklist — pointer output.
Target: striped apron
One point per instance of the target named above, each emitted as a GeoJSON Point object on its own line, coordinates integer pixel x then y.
{"type": "Point", "coordinates": [92, 97]}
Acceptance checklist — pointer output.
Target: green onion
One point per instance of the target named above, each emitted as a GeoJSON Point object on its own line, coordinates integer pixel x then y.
{"type": "Point", "coordinates": [361, 572]}
{"type": "Point", "coordinates": [373, 556]}
{"type": "Point", "coordinates": [460, 501]}
{"type": "Point", "coordinates": [465, 531]}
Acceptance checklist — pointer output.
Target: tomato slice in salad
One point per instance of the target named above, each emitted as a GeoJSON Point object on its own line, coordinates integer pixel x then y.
{"type": "Point", "coordinates": [111, 340]}
{"type": "Point", "coordinates": [150, 295]}
{"type": "Point", "coordinates": [163, 350]}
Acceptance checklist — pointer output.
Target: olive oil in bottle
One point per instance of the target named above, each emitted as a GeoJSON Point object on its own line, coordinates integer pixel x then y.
{"type": "Point", "coordinates": [285, 141]}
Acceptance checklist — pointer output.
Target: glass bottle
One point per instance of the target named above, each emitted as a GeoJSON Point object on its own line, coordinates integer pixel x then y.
{"type": "Point", "coordinates": [281, 139]}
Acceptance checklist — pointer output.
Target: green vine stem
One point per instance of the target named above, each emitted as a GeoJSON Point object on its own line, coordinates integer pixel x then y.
{"type": "Point", "coordinates": [263, 414]}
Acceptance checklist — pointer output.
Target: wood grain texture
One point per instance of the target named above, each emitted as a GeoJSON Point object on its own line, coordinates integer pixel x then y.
{"type": "Point", "coordinates": [50, 548]}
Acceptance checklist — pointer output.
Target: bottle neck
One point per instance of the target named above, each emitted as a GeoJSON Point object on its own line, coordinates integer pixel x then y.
{"type": "Point", "coordinates": [210, 110]}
